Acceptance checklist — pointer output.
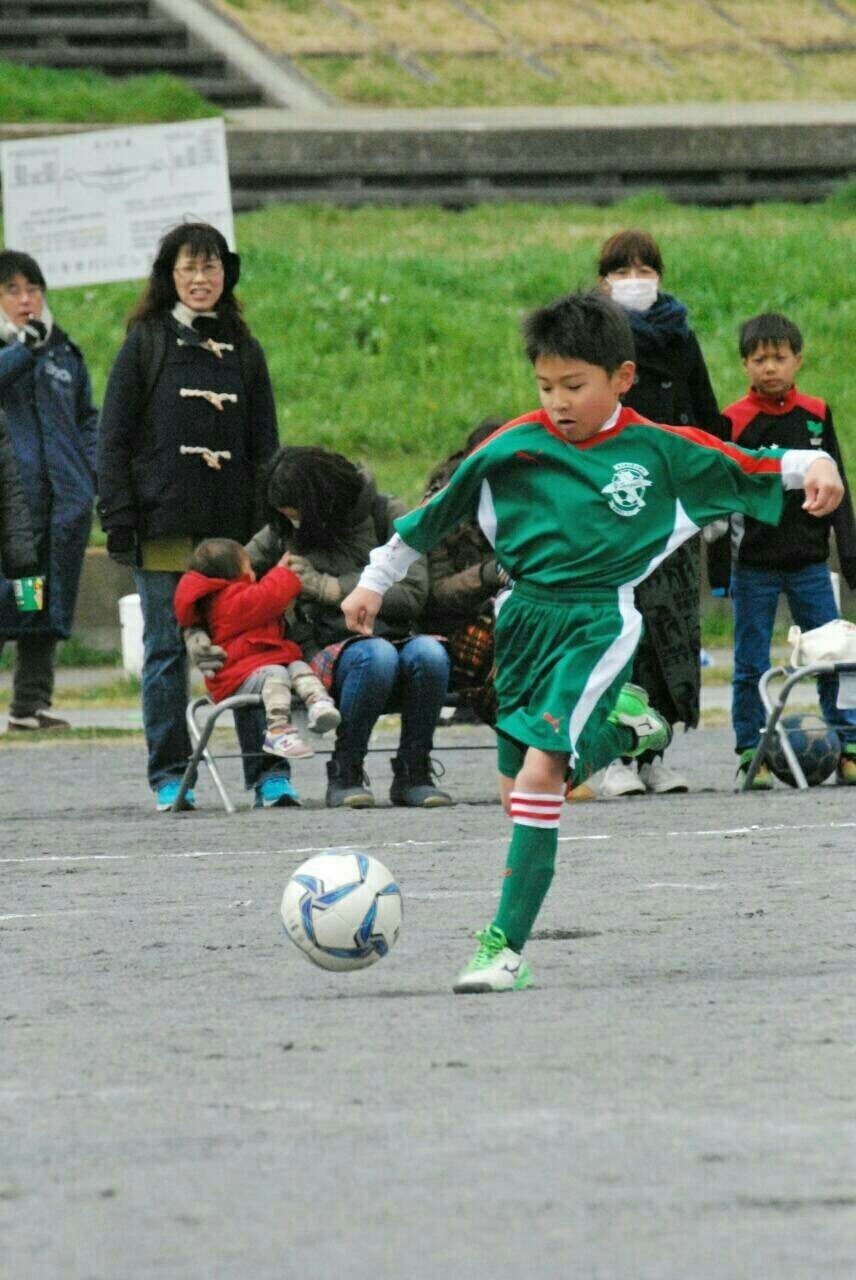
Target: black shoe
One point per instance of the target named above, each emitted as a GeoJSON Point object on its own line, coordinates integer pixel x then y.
{"type": "Point", "coordinates": [413, 784]}
{"type": "Point", "coordinates": [38, 721]}
{"type": "Point", "coordinates": [347, 785]}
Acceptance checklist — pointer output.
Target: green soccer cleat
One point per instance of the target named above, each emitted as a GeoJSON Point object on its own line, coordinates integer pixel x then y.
{"type": "Point", "coordinates": [653, 731]}
{"type": "Point", "coordinates": [763, 780]}
{"type": "Point", "coordinates": [494, 967]}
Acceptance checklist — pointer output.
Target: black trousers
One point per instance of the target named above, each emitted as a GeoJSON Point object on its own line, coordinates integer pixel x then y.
{"type": "Point", "coordinates": [33, 683]}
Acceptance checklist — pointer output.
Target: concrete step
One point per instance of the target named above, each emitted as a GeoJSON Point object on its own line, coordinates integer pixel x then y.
{"type": "Point", "coordinates": [123, 61]}
{"type": "Point", "coordinates": [21, 9]}
{"type": "Point", "coordinates": [34, 33]}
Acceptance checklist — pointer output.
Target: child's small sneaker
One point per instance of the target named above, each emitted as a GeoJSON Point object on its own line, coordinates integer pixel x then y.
{"type": "Point", "coordinates": [660, 780]}
{"type": "Point", "coordinates": [845, 773]}
{"type": "Point", "coordinates": [322, 716]}
{"type": "Point", "coordinates": [619, 780]}
{"type": "Point", "coordinates": [287, 743]}
{"type": "Point", "coordinates": [633, 710]}
{"type": "Point", "coordinates": [763, 780]}
{"type": "Point", "coordinates": [494, 967]}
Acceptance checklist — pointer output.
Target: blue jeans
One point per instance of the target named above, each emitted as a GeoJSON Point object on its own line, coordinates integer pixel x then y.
{"type": "Point", "coordinates": [755, 595]}
{"type": "Point", "coordinates": [166, 692]}
{"type": "Point", "coordinates": [373, 676]}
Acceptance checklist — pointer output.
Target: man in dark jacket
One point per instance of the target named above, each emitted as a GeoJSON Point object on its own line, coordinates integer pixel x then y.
{"type": "Point", "coordinates": [46, 395]}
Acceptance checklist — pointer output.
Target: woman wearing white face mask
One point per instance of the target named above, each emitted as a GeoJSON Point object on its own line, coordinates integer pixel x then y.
{"type": "Point", "coordinates": [672, 386]}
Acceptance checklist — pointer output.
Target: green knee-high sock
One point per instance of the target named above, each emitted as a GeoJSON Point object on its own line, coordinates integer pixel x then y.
{"type": "Point", "coordinates": [528, 873]}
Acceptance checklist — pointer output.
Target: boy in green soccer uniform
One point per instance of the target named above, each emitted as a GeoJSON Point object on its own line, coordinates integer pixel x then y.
{"type": "Point", "coordinates": [581, 501]}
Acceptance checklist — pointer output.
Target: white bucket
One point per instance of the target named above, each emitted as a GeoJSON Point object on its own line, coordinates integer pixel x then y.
{"type": "Point", "coordinates": [131, 623]}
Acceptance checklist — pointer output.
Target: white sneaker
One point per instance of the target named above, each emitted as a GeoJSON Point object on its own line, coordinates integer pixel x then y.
{"type": "Point", "coordinates": [322, 716]}
{"type": "Point", "coordinates": [660, 780]}
{"type": "Point", "coordinates": [287, 743]}
{"type": "Point", "coordinates": [494, 967]}
{"type": "Point", "coordinates": [620, 779]}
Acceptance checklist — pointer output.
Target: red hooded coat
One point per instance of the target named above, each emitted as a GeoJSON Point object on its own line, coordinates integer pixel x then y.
{"type": "Point", "coordinates": [242, 616]}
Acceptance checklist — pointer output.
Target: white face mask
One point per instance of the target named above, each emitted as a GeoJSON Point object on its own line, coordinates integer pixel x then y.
{"type": "Point", "coordinates": [634, 293]}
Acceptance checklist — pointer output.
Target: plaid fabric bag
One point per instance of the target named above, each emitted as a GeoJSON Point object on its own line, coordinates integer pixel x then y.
{"type": "Point", "coordinates": [472, 676]}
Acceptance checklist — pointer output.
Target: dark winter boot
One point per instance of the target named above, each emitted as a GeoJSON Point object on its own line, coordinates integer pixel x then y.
{"type": "Point", "coordinates": [413, 784]}
{"type": "Point", "coordinates": [347, 784]}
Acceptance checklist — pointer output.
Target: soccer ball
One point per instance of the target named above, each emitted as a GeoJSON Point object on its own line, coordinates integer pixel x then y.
{"type": "Point", "coordinates": [816, 746]}
{"type": "Point", "coordinates": [343, 909]}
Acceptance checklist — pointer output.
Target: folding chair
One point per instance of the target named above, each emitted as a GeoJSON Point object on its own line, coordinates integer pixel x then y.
{"type": "Point", "coordinates": [202, 716]}
{"type": "Point", "coordinates": [774, 709]}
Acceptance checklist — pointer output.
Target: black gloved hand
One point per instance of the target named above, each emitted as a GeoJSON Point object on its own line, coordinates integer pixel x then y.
{"type": "Point", "coordinates": [122, 546]}
{"type": "Point", "coordinates": [34, 333]}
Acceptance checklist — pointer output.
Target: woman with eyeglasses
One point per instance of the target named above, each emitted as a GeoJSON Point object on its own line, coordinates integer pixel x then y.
{"type": "Point", "coordinates": [188, 421]}
{"type": "Point", "coordinates": [46, 396]}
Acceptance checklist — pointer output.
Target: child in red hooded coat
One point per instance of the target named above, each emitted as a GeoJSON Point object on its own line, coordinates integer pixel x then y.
{"type": "Point", "coordinates": [245, 617]}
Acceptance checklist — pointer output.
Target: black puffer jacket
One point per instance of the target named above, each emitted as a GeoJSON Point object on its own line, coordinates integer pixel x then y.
{"type": "Point", "coordinates": [17, 546]}
{"type": "Point", "coordinates": [313, 625]}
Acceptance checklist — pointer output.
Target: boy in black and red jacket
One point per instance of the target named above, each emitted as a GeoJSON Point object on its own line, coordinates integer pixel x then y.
{"type": "Point", "coordinates": [790, 557]}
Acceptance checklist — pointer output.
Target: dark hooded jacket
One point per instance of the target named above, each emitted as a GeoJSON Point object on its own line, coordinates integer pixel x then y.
{"type": "Point", "coordinates": [47, 398]}
{"type": "Point", "coordinates": [313, 626]}
{"type": "Point", "coordinates": [17, 545]}
{"type": "Point", "coordinates": [154, 476]}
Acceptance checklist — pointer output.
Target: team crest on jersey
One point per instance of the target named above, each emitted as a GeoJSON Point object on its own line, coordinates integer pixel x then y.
{"type": "Point", "coordinates": [625, 489]}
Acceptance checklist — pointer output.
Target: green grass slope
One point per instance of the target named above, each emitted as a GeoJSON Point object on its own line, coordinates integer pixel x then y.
{"type": "Point", "coordinates": [389, 333]}
{"type": "Point", "coordinates": [39, 94]}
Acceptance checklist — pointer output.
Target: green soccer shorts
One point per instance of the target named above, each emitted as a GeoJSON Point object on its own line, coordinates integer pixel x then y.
{"type": "Point", "coordinates": [561, 658]}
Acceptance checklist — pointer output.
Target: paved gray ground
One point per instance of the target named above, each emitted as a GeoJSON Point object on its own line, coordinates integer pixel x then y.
{"type": "Point", "coordinates": [184, 1096]}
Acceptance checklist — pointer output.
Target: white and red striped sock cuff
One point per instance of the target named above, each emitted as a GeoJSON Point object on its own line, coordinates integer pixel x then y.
{"type": "Point", "coordinates": [535, 809]}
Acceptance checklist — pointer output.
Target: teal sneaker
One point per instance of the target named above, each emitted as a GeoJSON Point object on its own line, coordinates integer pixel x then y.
{"type": "Point", "coordinates": [494, 967]}
{"type": "Point", "coordinates": [633, 710]}
{"type": "Point", "coordinates": [167, 792]}
{"type": "Point", "coordinates": [276, 793]}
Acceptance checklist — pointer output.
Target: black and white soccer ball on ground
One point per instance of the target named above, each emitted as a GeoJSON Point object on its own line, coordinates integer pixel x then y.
{"type": "Point", "coordinates": [816, 746]}
{"type": "Point", "coordinates": [343, 909]}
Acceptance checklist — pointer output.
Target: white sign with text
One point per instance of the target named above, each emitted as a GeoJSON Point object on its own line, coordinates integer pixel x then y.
{"type": "Point", "coordinates": [91, 207]}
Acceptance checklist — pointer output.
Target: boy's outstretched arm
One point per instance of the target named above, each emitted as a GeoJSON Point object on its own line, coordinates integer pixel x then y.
{"type": "Point", "coordinates": [823, 486]}
{"type": "Point", "coordinates": [388, 564]}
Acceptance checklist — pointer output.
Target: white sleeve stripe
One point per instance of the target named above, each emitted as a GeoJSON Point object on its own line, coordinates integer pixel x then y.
{"type": "Point", "coordinates": [388, 564]}
{"type": "Point", "coordinates": [796, 462]}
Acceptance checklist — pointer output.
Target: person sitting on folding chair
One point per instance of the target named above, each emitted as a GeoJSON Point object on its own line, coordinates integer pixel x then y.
{"type": "Point", "coordinates": [245, 618]}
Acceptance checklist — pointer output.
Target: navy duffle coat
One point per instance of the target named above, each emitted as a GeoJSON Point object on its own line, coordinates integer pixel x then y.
{"type": "Point", "coordinates": [47, 398]}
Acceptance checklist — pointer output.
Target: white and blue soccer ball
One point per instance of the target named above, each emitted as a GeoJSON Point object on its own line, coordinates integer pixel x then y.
{"type": "Point", "coordinates": [343, 909]}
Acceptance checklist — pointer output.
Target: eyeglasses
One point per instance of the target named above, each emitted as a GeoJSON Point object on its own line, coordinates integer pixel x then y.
{"type": "Point", "coordinates": [210, 270]}
{"type": "Point", "coordinates": [16, 291]}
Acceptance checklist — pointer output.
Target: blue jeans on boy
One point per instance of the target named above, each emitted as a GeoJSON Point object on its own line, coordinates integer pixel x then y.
{"type": "Point", "coordinates": [373, 676]}
{"type": "Point", "coordinates": [166, 691]}
{"type": "Point", "coordinates": [755, 596]}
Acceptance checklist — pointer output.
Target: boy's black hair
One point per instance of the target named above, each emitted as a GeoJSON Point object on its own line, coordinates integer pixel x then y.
{"type": "Point", "coordinates": [15, 263]}
{"type": "Point", "coordinates": [769, 328]}
{"type": "Point", "coordinates": [219, 558]}
{"type": "Point", "coordinates": [629, 249]}
{"type": "Point", "coordinates": [581, 326]}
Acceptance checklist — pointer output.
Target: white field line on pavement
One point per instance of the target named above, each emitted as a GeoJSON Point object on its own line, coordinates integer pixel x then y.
{"type": "Point", "coordinates": [306, 851]}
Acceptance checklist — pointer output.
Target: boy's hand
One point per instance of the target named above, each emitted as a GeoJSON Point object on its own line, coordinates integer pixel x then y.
{"type": "Point", "coordinates": [323, 588]}
{"type": "Point", "coordinates": [361, 608]}
{"type": "Point", "coordinates": [823, 488]}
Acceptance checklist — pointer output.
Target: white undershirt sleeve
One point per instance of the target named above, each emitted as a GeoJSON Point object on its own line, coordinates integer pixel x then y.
{"type": "Point", "coordinates": [796, 462]}
{"type": "Point", "coordinates": [388, 564]}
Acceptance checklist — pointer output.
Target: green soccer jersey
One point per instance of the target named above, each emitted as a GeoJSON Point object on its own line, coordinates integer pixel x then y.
{"type": "Point", "coordinates": [600, 513]}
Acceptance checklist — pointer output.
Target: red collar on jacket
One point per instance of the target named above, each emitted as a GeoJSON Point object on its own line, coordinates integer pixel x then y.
{"type": "Point", "coordinates": [742, 412]}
